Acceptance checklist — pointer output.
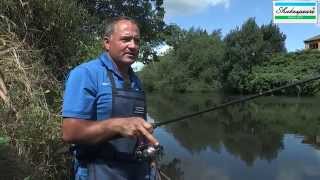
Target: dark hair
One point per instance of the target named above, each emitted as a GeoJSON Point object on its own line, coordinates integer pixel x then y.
{"type": "Point", "coordinates": [110, 23]}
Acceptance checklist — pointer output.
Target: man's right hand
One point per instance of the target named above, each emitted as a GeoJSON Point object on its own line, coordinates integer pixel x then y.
{"type": "Point", "coordinates": [80, 131]}
{"type": "Point", "coordinates": [134, 127]}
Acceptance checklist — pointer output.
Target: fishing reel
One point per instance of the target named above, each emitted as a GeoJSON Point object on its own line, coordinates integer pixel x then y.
{"type": "Point", "coordinates": [146, 152]}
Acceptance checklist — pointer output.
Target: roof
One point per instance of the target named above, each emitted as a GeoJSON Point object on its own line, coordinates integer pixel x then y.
{"type": "Point", "coordinates": [312, 39]}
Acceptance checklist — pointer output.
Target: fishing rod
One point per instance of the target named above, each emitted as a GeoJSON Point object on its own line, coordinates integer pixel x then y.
{"type": "Point", "coordinates": [241, 100]}
{"type": "Point", "coordinates": [152, 151]}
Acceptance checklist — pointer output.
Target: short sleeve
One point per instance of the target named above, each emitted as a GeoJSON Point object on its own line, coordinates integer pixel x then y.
{"type": "Point", "coordinates": [80, 95]}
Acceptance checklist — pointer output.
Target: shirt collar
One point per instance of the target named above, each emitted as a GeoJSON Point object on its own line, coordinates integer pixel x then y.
{"type": "Point", "coordinates": [107, 62]}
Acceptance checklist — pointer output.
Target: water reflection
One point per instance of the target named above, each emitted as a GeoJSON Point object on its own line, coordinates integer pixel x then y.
{"type": "Point", "coordinates": [269, 138]}
{"type": "Point", "coordinates": [313, 140]}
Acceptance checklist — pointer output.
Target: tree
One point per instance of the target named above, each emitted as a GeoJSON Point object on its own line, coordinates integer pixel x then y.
{"type": "Point", "coordinates": [55, 27]}
{"type": "Point", "coordinates": [188, 68]}
{"type": "Point", "coordinates": [247, 47]}
{"type": "Point", "coordinates": [274, 40]}
{"type": "Point", "coordinates": [148, 13]}
{"type": "Point", "coordinates": [173, 35]}
{"type": "Point", "coordinates": [249, 44]}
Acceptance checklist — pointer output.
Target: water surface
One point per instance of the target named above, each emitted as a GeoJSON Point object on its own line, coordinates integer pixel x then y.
{"type": "Point", "coordinates": [268, 138]}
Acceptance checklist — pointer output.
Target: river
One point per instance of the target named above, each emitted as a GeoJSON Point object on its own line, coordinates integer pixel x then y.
{"type": "Point", "coordinates": [269, 138]}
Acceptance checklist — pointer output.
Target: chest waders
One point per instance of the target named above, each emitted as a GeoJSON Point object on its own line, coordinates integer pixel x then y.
{"type": "Point", "coordinates": [115, 159]}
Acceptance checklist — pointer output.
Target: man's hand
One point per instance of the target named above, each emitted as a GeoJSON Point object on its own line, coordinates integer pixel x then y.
{"type": "Point", "coordinates": [80, 131]}
{"type": "Point", "coordinates": [134, 127]}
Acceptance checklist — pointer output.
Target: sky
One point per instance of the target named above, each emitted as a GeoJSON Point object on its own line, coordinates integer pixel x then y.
{"type": "Point", "coordinates": [228, 14]}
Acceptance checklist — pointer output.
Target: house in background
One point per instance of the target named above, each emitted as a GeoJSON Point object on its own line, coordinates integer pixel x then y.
{"type": "Point", "coordinates": [312, 43]}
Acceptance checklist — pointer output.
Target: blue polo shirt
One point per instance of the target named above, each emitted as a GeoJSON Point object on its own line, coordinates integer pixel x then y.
{"type": "Point", "coordinates": [88, 91]}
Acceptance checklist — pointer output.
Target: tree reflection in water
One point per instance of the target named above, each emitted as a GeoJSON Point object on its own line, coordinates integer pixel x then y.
{"type": "Point", "coordinates": [173, 169]}
{"type": "Point", "coordinates": [249, 131]}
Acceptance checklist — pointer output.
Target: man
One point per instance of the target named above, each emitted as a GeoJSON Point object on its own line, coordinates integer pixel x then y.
{"type": "Point", "coordinates": [104, 109]}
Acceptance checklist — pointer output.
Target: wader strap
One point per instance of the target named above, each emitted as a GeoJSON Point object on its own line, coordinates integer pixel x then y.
{"type": "Point", "coordinates": [113, 84]}
{"type": "Point", "coordinates": [126, 85]}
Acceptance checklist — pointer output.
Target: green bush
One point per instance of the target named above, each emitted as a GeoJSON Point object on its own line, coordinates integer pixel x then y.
{"type": "Point", "coordinates": [283, 69]}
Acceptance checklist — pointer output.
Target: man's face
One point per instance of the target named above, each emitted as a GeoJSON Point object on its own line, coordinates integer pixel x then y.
{"type": "Point", "coordinates": [123, 44]}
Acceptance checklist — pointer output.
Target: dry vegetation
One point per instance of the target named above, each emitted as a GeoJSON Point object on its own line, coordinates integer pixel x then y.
{"type": "Point", "coordinates": [31, 122]}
